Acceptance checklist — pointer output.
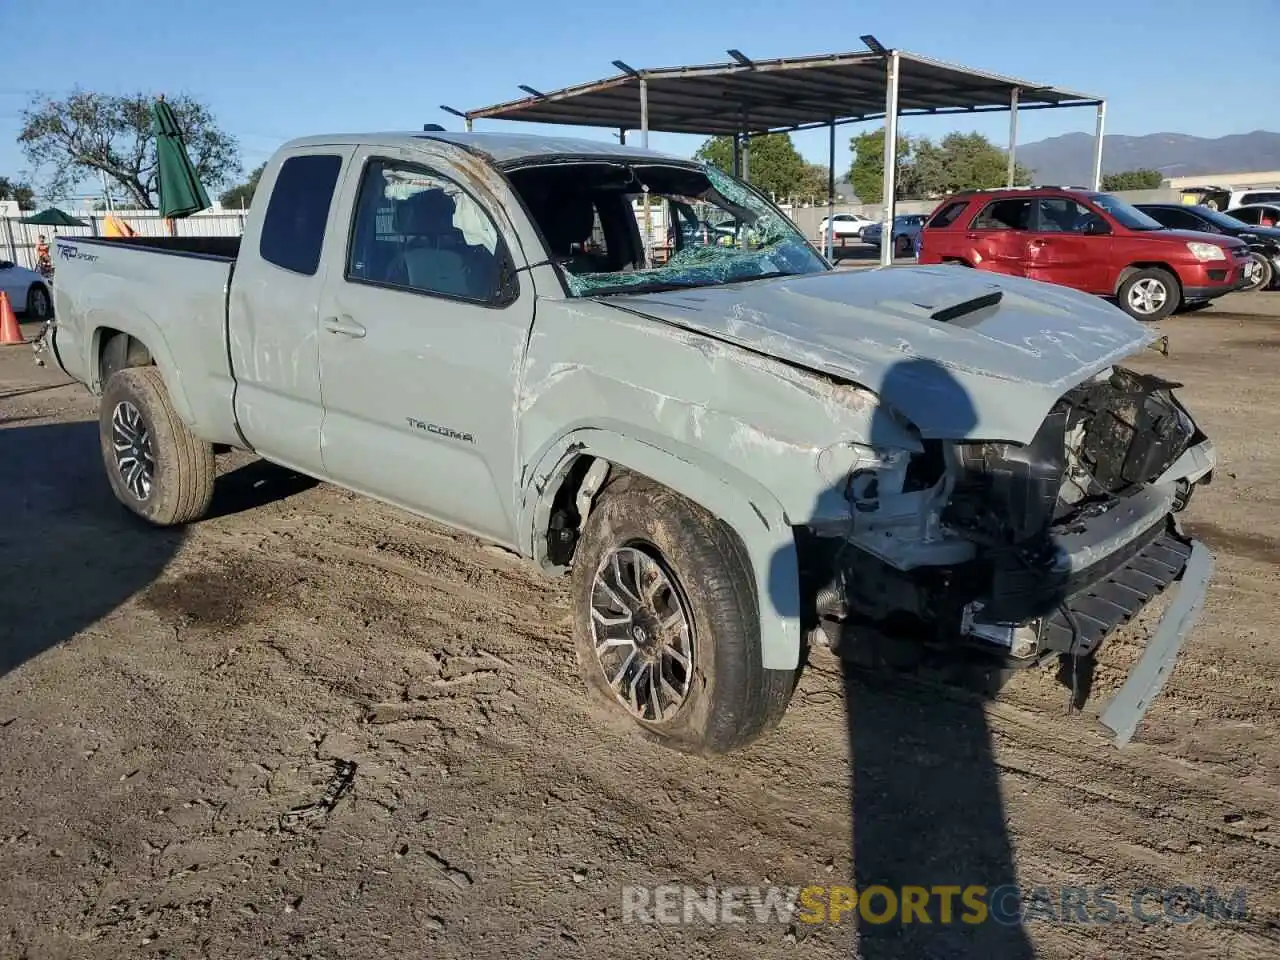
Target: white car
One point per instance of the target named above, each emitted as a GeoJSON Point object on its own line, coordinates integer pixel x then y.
{"type": "Point", "coordinates": [844, 225]}
{"type": "Point", "coordinates": [28, 292]}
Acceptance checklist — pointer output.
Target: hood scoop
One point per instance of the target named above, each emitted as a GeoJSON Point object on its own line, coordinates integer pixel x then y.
{"type": "Point", "coordinates": [965, 311]}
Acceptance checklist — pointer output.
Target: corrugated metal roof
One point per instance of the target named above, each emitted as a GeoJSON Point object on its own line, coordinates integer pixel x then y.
{"type": "Point", "coordinates": [782, 94]}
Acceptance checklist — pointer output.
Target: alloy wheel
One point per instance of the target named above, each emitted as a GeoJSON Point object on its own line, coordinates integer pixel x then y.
{"type": "Point", "coordinates": [1147, 296]}
{"type": "Point", "coordinates": [643, 633]}
{"type": "Point", "coordinates": [131, 441]}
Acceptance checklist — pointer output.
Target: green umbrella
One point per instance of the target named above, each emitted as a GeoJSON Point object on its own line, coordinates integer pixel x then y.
{"type": "Point", "coordinates": [53, 217]}
{"type": "Point", "coordinates": [181, 193]}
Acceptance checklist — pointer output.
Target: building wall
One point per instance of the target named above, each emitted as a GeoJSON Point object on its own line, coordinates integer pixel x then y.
{"type": "Point", "coordinates": [1264, 178]}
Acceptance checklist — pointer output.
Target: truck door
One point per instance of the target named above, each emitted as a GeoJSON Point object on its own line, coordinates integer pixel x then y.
{"type": "Point", "coordinates": [997, 237]}
{"type": "Point", "coordinates": [272, 316]}
{"type": "Point", "coordinates": [423, 326]}
{"type": "Point", "coordinates": [1069, 244]}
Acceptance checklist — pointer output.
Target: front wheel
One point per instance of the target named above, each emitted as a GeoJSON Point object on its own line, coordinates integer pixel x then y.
{"type": "Point", "coordinates": [1149, 294]}
{"type": "Point", "coordinates": [1263, 273]}
{"type": "Point", "coordinates": [666, 623]}
{"type": "Point", "coordinates": [156, 466]}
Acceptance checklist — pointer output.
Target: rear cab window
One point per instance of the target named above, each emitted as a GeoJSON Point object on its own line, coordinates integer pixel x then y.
{"type": "Point", "coordinates": [294, 224]}
{"type": "Point", "coordinates": [1010, 213]}
{"type": "Point", "coordinates": [947, 214]}
{"type": "Point", "coordinates": [1261, 196]}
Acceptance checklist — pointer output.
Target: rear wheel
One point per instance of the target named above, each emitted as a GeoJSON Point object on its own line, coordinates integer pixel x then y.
{"type": "Point", "coordinates": [903, 247]}
{"type": "Point", "coordinates": [39, 305]}
{"type": "Point", "coordinates": [1149, 294]}
{"type": "Point", "coordinates": [156, 466]}
{"type": "Point", "coordinates": [666, 624]}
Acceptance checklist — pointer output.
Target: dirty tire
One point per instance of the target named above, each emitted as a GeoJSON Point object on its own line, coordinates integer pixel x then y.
{"type": "Point", "coordinates": [39, 303]}
{"type": "Point", "coordinates": [1149, 279]}
{"type": "Point", "coordinates": [732, 698]}
{"type": "Point", "coordinates": [1265, 273]}
{"type": "Point", "coordinates": [184, 471]}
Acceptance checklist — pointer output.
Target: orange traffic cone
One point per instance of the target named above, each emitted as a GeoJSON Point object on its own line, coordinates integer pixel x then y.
{"type": "Point", "coordinates": [10, 332]}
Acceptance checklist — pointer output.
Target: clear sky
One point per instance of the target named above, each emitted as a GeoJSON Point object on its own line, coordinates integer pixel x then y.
{"type": "Point", "coordinates": [274, 69]}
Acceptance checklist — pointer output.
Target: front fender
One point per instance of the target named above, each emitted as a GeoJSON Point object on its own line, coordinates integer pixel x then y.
{"type": "Point", "coordinates": [748, 508]}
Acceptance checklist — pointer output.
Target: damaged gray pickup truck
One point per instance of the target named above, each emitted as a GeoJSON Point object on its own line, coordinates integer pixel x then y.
{"type": "Point", "coordinates": [732, 452]}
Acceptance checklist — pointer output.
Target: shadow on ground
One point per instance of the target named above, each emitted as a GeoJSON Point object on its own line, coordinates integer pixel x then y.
{"type": "Point", "coordinates": [928, 817]}
{"type": "Point", "coordinates": [253, 485]}
{"type": "Point", "coordinates": [70, 553]}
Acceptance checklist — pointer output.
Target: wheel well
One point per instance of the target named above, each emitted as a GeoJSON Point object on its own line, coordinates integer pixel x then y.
{"type": "Point", "coordinates": [564, 521]}
{"type": "Point", "coordinates": [1133, 268]}
{"type": "Point", "coordinates": [117, 350]}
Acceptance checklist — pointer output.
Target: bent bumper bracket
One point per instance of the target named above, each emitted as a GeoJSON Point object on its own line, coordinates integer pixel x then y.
{"type": "Point", "coordinates": [1130, 704]}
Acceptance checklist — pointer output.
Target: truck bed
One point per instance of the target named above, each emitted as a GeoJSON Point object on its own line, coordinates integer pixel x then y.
{"type": "Point", "coordinates": [170, 293]}
{"type": "Point", "coordinates": [218, 248]}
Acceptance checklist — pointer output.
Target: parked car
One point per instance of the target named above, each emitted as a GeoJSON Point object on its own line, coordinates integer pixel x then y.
{"type": "Point", "coordinates": [28, 291]}
{"type": "Point", "coordinates": [844, 226]}
{"type": "Point", "coordinates": [1093, 242]}
{"type": "Point", "coordinates": [729, 454]}
{"type": "Point", "coordinates": [1257, 214]}
{"type": "Point", "coordinates": [1264, 242]}
{"type": "Point", "coordinates": [906, 230]}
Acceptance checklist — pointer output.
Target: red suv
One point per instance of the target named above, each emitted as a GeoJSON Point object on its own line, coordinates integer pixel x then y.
{"type": "Point", "coordinates": [1091, 241]}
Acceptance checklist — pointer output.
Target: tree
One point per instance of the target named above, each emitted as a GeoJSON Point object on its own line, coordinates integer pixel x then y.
{"type": "Point", "coordinates": [17, 190]}
{"type": "Point", "coordinates": [240, 197]}
{"type": "Point", "coordinates": [813, 184]}
{"type": "Point", "coordinates": [963, 161]}
{"type": "Point", "coordinates": [866, 176]}
{"type": "Point", "coordinates": [88, 134]}
{"type": "Point", "coordinates": [1144, 179]}
{"type": "Point", "coordinates": [774, 166]}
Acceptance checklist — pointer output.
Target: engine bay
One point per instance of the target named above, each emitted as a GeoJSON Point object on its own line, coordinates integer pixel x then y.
{"type": "Point", "coordinates": [1102, 442]}
{"type": "Point", "coordinates": [1073, 518]}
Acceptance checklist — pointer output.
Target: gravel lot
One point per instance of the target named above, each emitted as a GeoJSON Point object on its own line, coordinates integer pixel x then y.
{"type": "Point", "coordinates": [175, 705]}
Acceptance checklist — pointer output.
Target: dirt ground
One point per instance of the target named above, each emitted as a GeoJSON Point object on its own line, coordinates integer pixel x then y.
{"type": "Point", "coordinates": [176, 709]}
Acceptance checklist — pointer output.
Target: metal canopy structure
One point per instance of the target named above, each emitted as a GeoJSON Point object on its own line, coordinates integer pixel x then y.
{"type": "Point", "coordinates": [744, 97]}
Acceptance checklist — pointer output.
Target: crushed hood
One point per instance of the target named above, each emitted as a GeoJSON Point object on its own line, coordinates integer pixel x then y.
{"type": "Point", "coordinates": [962, 354]}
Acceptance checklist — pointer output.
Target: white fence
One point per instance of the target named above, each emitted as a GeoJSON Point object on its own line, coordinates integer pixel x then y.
{"type": "Point", "coordinates": [18, 240]}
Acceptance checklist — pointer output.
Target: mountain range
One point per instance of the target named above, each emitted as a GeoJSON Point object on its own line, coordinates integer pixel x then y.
{"type": "Point", "coordinates": [1068, 159]}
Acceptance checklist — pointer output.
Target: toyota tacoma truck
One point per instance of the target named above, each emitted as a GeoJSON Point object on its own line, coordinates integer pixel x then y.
{"type": "Point", "coordinates": [731, 454]}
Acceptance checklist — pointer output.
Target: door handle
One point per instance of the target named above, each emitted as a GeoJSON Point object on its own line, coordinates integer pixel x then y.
{"type": "Point", "coordinates": [345, 326]}
{"type": "Point", "coordinates": [971, 236]}
{"type": "Point", "coordinates": [1037, 243]}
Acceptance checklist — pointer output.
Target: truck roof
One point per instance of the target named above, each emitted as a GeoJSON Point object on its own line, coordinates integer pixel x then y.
{"type": "Point", "coordinates": [499, 148]}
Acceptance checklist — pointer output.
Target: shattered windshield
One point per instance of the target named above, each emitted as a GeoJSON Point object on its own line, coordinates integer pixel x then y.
{"type": "Point", "coordinates": [619, 227]}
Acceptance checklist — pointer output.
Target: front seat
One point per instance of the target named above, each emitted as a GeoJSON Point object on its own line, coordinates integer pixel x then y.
{"type": "Point", "coordinates": [434, 254]}
{"type": "Point", "coordinates": [568, 219]}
